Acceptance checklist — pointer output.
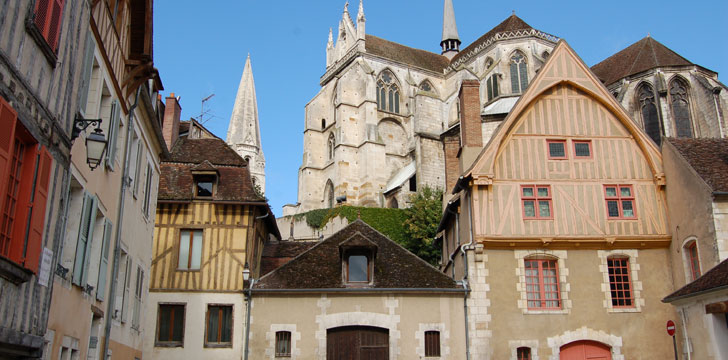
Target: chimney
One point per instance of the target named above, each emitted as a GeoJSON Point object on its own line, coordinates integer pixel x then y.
{"type": "Point", "coordinates": [471, 133]}
{"type": "Point", "coordinates": [170, 126]}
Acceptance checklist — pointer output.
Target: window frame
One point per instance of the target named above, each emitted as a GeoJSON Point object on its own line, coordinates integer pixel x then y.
{"type": "Point", "coordinates": [591, 149]}
{"type": "Point", "coordinates": [280, 337]}
{"type": "Point", "coordinates": [619, 199]}
{"type": "Point", "coordinates": [612, 282]}
{"type": "Point", "coordinates": [541, 291]}
{"type": "Point", "coordinates": [523, 353]}
{"type": "Point", "coordinates": [367, 253]}
{"type": "Point", "coordinates": [44, 27]}
{"type": "Point", "coordinates": [389, 95]}
{"type": "Point", "coordinates": [219, 344]}
{"type": "Point", "coordinates": [171, 343]}
{"type": "Point", "coordinates": [536, 199]}
{"type": "Point", "coordinates": [556, 141]}
{"type": "Point", "coordinates": [433, 344]}
{"type": "Point", "coordinates": [693, 258]}
{"type": "Point", "coordinates": [202, 178]}
{"type": "Point", "coordinates": [189, 250]}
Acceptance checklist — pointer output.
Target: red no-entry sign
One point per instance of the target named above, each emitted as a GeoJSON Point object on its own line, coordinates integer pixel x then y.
{"type": "Point", "coordinates": [670, 328]}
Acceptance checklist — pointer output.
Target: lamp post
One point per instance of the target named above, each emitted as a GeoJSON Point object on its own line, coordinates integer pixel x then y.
{"type": "Point", "coordinates": [249, 296]}
{"type": "Point", "coordinates": [95, 141]}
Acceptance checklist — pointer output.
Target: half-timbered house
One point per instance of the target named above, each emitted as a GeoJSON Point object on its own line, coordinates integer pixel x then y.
{"type": "Point", "coordinates": [210, 228]}
{"type": "Point", "coordinates": [559, 226]}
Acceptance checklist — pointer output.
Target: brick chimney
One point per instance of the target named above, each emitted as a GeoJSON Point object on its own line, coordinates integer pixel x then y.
{"type": "Point", "coordinates": [471, 132]}
{"type": "Point", "coordinates": [170, 125]}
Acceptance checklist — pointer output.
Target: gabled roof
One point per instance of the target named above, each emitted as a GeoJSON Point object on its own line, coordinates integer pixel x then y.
{"type": "Point", "coordinates": [715, 279]}
{"type": "Point", "coordinates": [195, 151]}
{"type": "Point", "coordinates": [643, 55]}
{"type": "Point", "coordinates": [405, 54]}
{"type": "Point", "coordinates": [277, 253]}
{"type": "Point", "coordinates": [709, 159]}
{"type": "Point", "coordinates": [512, 23]}
{"type": "Point", "coordinates": [320, 267]}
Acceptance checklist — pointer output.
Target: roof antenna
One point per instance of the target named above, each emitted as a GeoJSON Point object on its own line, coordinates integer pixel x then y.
{"type": "Point", "coordinates": [202, 109]}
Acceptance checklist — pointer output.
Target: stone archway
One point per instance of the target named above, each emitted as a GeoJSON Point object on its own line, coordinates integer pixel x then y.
{"type": "Point", "coordinates": [586, 334]}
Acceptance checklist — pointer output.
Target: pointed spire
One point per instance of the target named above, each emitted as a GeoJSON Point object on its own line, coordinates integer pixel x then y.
{"type": "Point", "coordinates": [360, 15]}
{"type": "Point", "coordinates": [450, 39]}
{"type": "Point", "coordinates": [330, 44]}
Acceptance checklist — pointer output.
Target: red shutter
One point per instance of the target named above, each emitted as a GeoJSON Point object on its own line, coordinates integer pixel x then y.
{"type": "Point", "coordinates": [8, 119]}
{"type": "Point", "coordinates": [41, 16]}
{"type": "Point", "coordinates": [37, 220]}
{"type": "Point", "coordinates": [54, 29]}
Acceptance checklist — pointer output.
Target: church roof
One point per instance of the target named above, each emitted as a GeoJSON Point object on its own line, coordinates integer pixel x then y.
{"type": "Point", "coordinates": [708, 157]}
{"type": "Point", "coordinates": [405, 54]}
{"type": "Point", "coordinates": [715, 279]}
{"type": "Point", "coordinates": [394, 266]}
{"type": "Point", "coordinates": [643, 55]}
{"type": "Point", "coordinates": [512, 23]}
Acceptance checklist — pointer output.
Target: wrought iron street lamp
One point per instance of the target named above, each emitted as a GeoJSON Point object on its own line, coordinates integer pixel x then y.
{"type": "Point", "coordinates": [95, 141]}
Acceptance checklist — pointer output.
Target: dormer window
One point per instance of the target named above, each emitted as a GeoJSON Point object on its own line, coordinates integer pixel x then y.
{"type": "Point", "coordinates": [357, 269]}
{"type": "Point", "coordinates": [357, 260]}
{"type": "Point", "coordinates": [205, 185]}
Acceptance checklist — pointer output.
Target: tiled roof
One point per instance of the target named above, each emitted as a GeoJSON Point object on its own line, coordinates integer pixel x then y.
{"type": "Point", "coordinates": [277, 253]}
{"type": "Point", "coordinates": [643, 55]}
{"type": "Point", "coordinates": [320, 267]}
{"type": "Point", "coordinates": [195, 151]}
{"type": "Point", "coordinates": [709, 158]}
{"type": "Point", "coordinates": [714, 279]}
{"type": "Point", "coordinates": [404, 54]}
{"type": "Point", "coordinates": [512, 23]}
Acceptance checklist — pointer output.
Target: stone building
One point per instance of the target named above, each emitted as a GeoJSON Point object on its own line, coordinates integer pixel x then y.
{"type": "Point", "coordinates": [101, 277]}
{"type": "Point", "coordinates": [244, 130]}
{"type": "Point", "coordinates": [41, 52]}
{"type": "Point", "coordinates": [559, 225]}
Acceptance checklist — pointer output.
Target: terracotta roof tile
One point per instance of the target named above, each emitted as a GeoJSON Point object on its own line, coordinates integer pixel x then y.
{"type": "Point", "coordinates": [643, 55]}
{"type": "Point", "coordinates": [715, 278]}
{"type": "Point", "coordinates": [404, 54]}
{"type": "Point", "coordinates": [195, 151]}
{"type": "Point", "coordinates": [512, 23]}
{"type": "Point", "coordinates": [709, 158]}
{"type": "Point", "coordinates": [394, 267]}
{"type": "Point", "coordinates": [277, 253]}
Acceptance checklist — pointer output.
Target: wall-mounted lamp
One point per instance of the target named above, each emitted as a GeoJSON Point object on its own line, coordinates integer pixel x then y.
{"type": "Point", "coordinates": [246, 272]}
{"type": "Point", "coordinates": [95, 141]}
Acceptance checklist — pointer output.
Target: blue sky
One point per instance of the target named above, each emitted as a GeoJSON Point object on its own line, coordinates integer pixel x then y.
{"type": "Point", "coordinates": [201, 49]}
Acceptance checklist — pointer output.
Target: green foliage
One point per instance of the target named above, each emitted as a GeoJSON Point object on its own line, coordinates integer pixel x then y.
{"type": "Point", "coordinates": [423, 217]}
{"type": "Point", "coordinates": [387, 221]}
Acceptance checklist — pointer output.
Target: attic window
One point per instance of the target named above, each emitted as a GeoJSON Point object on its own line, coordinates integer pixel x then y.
{"type": "Point", "coordinates": [205, 185]}
{"type": "Point", "coordinates": [357, 268]}
{"type": "Point", "coordinates": [357, 261]}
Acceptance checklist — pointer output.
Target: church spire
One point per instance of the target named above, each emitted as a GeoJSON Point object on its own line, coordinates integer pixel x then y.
{"type": "Point", "coordinates": [450, 39]}
{"type": "Point", "coordinates": [360, 22]}
{"type": "Point", "coordinates": [244, 130]}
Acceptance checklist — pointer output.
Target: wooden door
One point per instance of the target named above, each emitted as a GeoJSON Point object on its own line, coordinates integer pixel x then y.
{"type": "Point", "coordinates": [357, 343]}
{"type": "Point", "coordinates": [585, 350]}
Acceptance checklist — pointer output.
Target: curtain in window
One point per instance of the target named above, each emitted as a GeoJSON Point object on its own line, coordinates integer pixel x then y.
{"type": "Point", "coordinates": [680, 108]}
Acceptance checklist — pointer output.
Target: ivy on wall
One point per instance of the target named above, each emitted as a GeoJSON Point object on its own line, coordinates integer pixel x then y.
{"type": "Point", "coordinates": [387, 221]}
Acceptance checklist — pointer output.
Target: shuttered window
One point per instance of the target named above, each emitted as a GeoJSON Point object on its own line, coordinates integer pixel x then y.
{"type": "Point", "coordinates": [88, 63]}
{"type": "Point", "coordinates": [147, 205]}
{"type": "Point", "coordinates": [104, 261]}
{"type": "Point", "coordinates": [84, 240]}
{"type": "Point", "coordinates": [47, 18]}
{"type": "Point", "coordinates": [25, 168]}
{"type": "Point", "coordinates": [114, 118]}
{"type": "Point", "coordinates": [138, 291]}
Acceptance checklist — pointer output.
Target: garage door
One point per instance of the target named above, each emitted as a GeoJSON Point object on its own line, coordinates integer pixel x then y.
{"type": "Point", "coordinates": [357, 343]}
{"type": "Point", "coordinates": [583, 350]}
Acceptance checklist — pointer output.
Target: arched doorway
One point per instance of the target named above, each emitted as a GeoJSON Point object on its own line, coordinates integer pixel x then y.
{"type": "Point", "coordinates": [585, 350]}
{"type": "Point", "coordinates": [357, 343]}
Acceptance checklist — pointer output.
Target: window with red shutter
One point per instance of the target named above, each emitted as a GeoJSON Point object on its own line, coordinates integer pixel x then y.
{"type": "Point", "coordinates": [47, 18]}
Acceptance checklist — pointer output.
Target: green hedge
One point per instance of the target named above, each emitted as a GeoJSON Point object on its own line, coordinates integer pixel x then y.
{"type": "Point", "coordinates": [389, 222]}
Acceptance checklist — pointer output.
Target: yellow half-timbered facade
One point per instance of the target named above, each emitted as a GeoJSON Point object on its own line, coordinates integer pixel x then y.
{"type": "Point", "coordinates": [559, 226]}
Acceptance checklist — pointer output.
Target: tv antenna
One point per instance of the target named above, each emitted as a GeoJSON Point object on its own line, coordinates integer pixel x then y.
{"type": "Point", "coordinates": [202, 109]}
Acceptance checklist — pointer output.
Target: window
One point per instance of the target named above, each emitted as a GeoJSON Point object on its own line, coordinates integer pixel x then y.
{"type": "Point", "coordinates": [283, 343]}
{"type": "Point", "coordinates": [582, 149]}
{"type": "Point", "coordinates": [204, 185]}
{"type": "Point", "coordinates": [323, 124]}
{"type": "Point", "coordinates": [536, 201]}
{"type": "Point", "coordinates": [519, 73]}
{"type": "Point", "coordinates": [88, 66]}
{"type": "Point", "coordinates": [426, 86]}
{"type": "Point", "coordinates": [413, 183]}
{"type": "Point", "coordinates": [523, 353]}
{"type": "Point", "coordinates": [190, 250]}
{"type": "Point", "coordinates": [542, 284]}
{"type": "Point", "coordinates": [432, 343]}
{"type": "Point", "coordinates": [492, 86]}
{"type": "Point", "coordinates": [691, 251]}
{"type": "Point", "coordinates": [620, 201]}
{"type": "Point", "coordinates": [47, 18]}
{"type": "Point", "coordinates": [557, 149]}
{"type": "Point", "coordinates": [329, 194]}
{"type": "Point", "coordinates": [331, 146]}
{"type": "Point", "coordinates": [114, 123]}
{"type": "Point", "coordinates": [138, 291]}
{"type": "Point", "coordinates": [25, 167]}
{"type": "Point", "coordinates": [680, 107]}
{"type": "Point", "coordinates": [648, 109]}
{"type": "Point", "coordinates": [84, 239]}
{"type": "Point", "coordinates": [138, 168]}
{"type": "Point", "coordinates": [104, 263]}
{"type": "Point", "coordinates": [219, 329]}
{"type": "Point", "coordinates": [620, 284]}
{"type": "Point", "coordinates": [170, 325]}
{"type": "Point", "coordinates": [357, 269]}
{"type": "Point", "coordinates": [147, 205]}
{"type": "Point", "coordinates": [387, 92]}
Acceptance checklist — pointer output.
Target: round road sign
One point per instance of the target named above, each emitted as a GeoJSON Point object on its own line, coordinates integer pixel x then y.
{"type": "Point", "coordinates": [670, 328]}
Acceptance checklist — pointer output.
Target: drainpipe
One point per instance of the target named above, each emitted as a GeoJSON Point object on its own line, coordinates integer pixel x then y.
{"type": "Point", "coordinates": [465, 275]}
{"type": "Point", "coordinates": [249, 296]}
{"type": "Point", "coordinates": [119, 221]}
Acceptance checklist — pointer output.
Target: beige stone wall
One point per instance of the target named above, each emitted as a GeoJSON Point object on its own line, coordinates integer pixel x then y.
{"type": "Point", "coordinates": [705, 333]}
{"type": "Point", "coordinates": [720, 217]}
{"type": "Point", "coordinates": [406, 317]}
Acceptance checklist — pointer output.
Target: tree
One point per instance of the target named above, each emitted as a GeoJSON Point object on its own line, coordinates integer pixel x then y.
{"type": "Point", "coordinates": [423, 217]}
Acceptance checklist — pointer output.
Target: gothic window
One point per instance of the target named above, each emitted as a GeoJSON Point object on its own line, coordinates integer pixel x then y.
{"type": "Point", "coordinates": [331, 145]}
{"type": "Point", "coordinates": [648, 109]}
{"type": "Point", "coordinates": [519, 73]}
{"type": "Point", "coordinates": [680, 107]}
{"type": "Point", "coordinates": [426, 86]}
{"type": "Point", "coordinates": [492, 85]}
{"type": "Point", "coordinates": [387, 92]}
{"type": "Point", "coordinates": [329, 194]}
{"type": "Point", "coordinates": [545, 55]}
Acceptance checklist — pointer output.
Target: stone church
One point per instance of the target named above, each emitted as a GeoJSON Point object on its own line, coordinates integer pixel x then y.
{"type": "Point", "coordinates": [379, 128]}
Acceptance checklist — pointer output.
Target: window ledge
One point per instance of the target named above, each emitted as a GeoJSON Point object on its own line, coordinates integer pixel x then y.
{"type": "Point", "coordinates": [13, 272]}
{"type": "Point", "coordinates": [624, 310]}
{"type": "Point", "coordinates": [218, 346]}
{"type": "Point", "coordinates": [546, 312]}
{"type": "Point", "coordinates": [46, 49]}
{"type": "Point", "coordinates": [169, 345]}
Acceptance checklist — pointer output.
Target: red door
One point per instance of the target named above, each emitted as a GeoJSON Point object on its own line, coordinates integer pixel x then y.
{"type": "Point", "coordinates": [585, 350]}
{"type": "Point", "coordinates": [357, 343]}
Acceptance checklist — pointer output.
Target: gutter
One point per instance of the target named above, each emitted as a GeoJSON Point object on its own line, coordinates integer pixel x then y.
{"type": "Point", "coordinates": [465, 275]}
{"type": "Point", "coordinates": [671, 299]}
{"type": "Point", "coordinates": [360, 290]}
{"type": "Point", "coordinates": [119, 222]}
{"type": "Point", "coordinates": [720, 193]}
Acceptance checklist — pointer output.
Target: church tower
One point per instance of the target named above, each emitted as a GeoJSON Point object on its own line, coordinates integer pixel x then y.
{"type": "Point", "coordinates": [450, 40]}
{"type": "Point", "coordinates": [244, 130]}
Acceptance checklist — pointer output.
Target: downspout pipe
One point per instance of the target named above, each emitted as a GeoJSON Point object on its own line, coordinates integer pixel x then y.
{"type": "Point", "coordinates": [119, 221]}
{"type": "Point", "coordinates": [465, 274]}
{"type": "Point", "coordinates": [249, 296]}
